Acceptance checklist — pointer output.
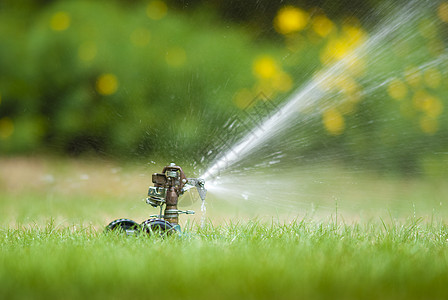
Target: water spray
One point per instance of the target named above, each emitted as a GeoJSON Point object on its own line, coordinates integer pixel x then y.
{"type": "Point", "coordinates": [168, 187]}
{"type": "Point", "coordinates": [313, 97]}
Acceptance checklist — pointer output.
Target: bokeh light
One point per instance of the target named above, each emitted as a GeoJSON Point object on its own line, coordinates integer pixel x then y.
{"type": "Point", "coordinates": [442, 11]}
{"type": "Point", "coordinates": [156, 10]}
{"type": "Point", "coordinates": [265, 67]}
{"type": "Point", "coordinates": [342, 46]}
{"type": "Point", "coordinates": [243, 98]}
{"type": "Point", "coordinates": [429, 125]}
{"type": "Point", "coordinates": [397, 89]}
{"type": "Point", "coordinates": [432, 106]}
{"type": "Point", "coordinates": [290, 19]}
{"type": "Point", "coordinates": [282, 82]}
{"type": "Point", "coordinates": [107, 84]}
{"type": "Point", "coordinates": [60, 21]}
{"type": "Point", "coordinates": [322, 25]}
{"type": "Point", "coordinates": [6, 128]}
{"type": "Point", "coordinates": [333, 121]}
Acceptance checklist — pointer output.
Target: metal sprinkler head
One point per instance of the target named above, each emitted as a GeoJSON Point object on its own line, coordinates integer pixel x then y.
{"type": "Point", "coordinates": [168, 187]}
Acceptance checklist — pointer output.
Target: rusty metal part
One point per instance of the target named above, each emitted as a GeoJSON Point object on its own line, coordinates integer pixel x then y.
{"type": "Point", "coordinates": [170, 213]}
{"type": "Point", "coordinates": [168, 186]}
{"type": "Point", "coordinates": [177, 181]}
{"type": "Point", "coordinates": [159, 179]}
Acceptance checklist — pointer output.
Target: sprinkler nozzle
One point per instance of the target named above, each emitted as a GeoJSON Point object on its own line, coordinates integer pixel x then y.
{"type": "Point", "coordinates": [199, 184]}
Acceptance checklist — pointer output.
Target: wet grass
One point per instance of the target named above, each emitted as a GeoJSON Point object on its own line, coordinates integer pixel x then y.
{"type": "Point", "coordinates": [252, 260]}
{"type": "Point", "coordinates": [52, 244]}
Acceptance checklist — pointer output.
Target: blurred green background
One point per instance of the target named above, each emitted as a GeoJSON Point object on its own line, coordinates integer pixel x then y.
{"type": "Point", "coordinates": [142, 79]}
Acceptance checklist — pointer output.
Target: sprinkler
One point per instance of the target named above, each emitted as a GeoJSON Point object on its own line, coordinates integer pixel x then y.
{"type": "Point", "coordinates": [168, 187]}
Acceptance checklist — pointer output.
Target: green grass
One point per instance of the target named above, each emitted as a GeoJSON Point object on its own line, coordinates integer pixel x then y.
{"type": "Point", "coordinates": [251, 260]}
{"type": "Point", "coordinates": [52, 245]}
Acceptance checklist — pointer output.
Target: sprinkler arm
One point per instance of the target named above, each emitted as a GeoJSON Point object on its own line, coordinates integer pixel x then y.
{"type": "Point", "coordinates": [199, 184]}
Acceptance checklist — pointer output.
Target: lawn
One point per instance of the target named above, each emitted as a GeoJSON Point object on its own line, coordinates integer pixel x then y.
{"type": "Point", "coordinates": [52, 244]}
{"type": "Point", "coordinates": [302, 259]}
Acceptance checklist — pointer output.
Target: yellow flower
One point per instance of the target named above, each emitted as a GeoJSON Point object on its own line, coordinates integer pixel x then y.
{"type": "Point", "coordinates": [353, 35]}
{"type": "Point", "coordinates": [338, 48]}
{"type": "Point", "coordinates": [60, 21]}
{"type": "Point", "coordinates": [282, 82]}
{"type": "Point", "coordinates": [397, 89]}
{"type": "Point", "coordinates": [432, 106]}
{"type": "Point", "coordinates": [418, 99]}
{"type": "Point", "coordinates": [290, 19]}
{"type": "Point", "coordinates": [442, 11]}
{"type": "Point", "coordinates": [322, 25]}
{"type": "Point", "coordinates": [243, 98]}
{"type": "Point", "coordinates": [265, 67]}
{"type": "Point", "coordinates": [6, 128]}
{"type": "Point", "coordinates": [346, 84]}
{"type": "Point", "coordinates": [333, 121]}
{"type": "Point", "coordinates": [156, 10]}
{"type": "Point", "coordinates": [429, 125]}
{"type": "Point", "coordinates": [107, 84]}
